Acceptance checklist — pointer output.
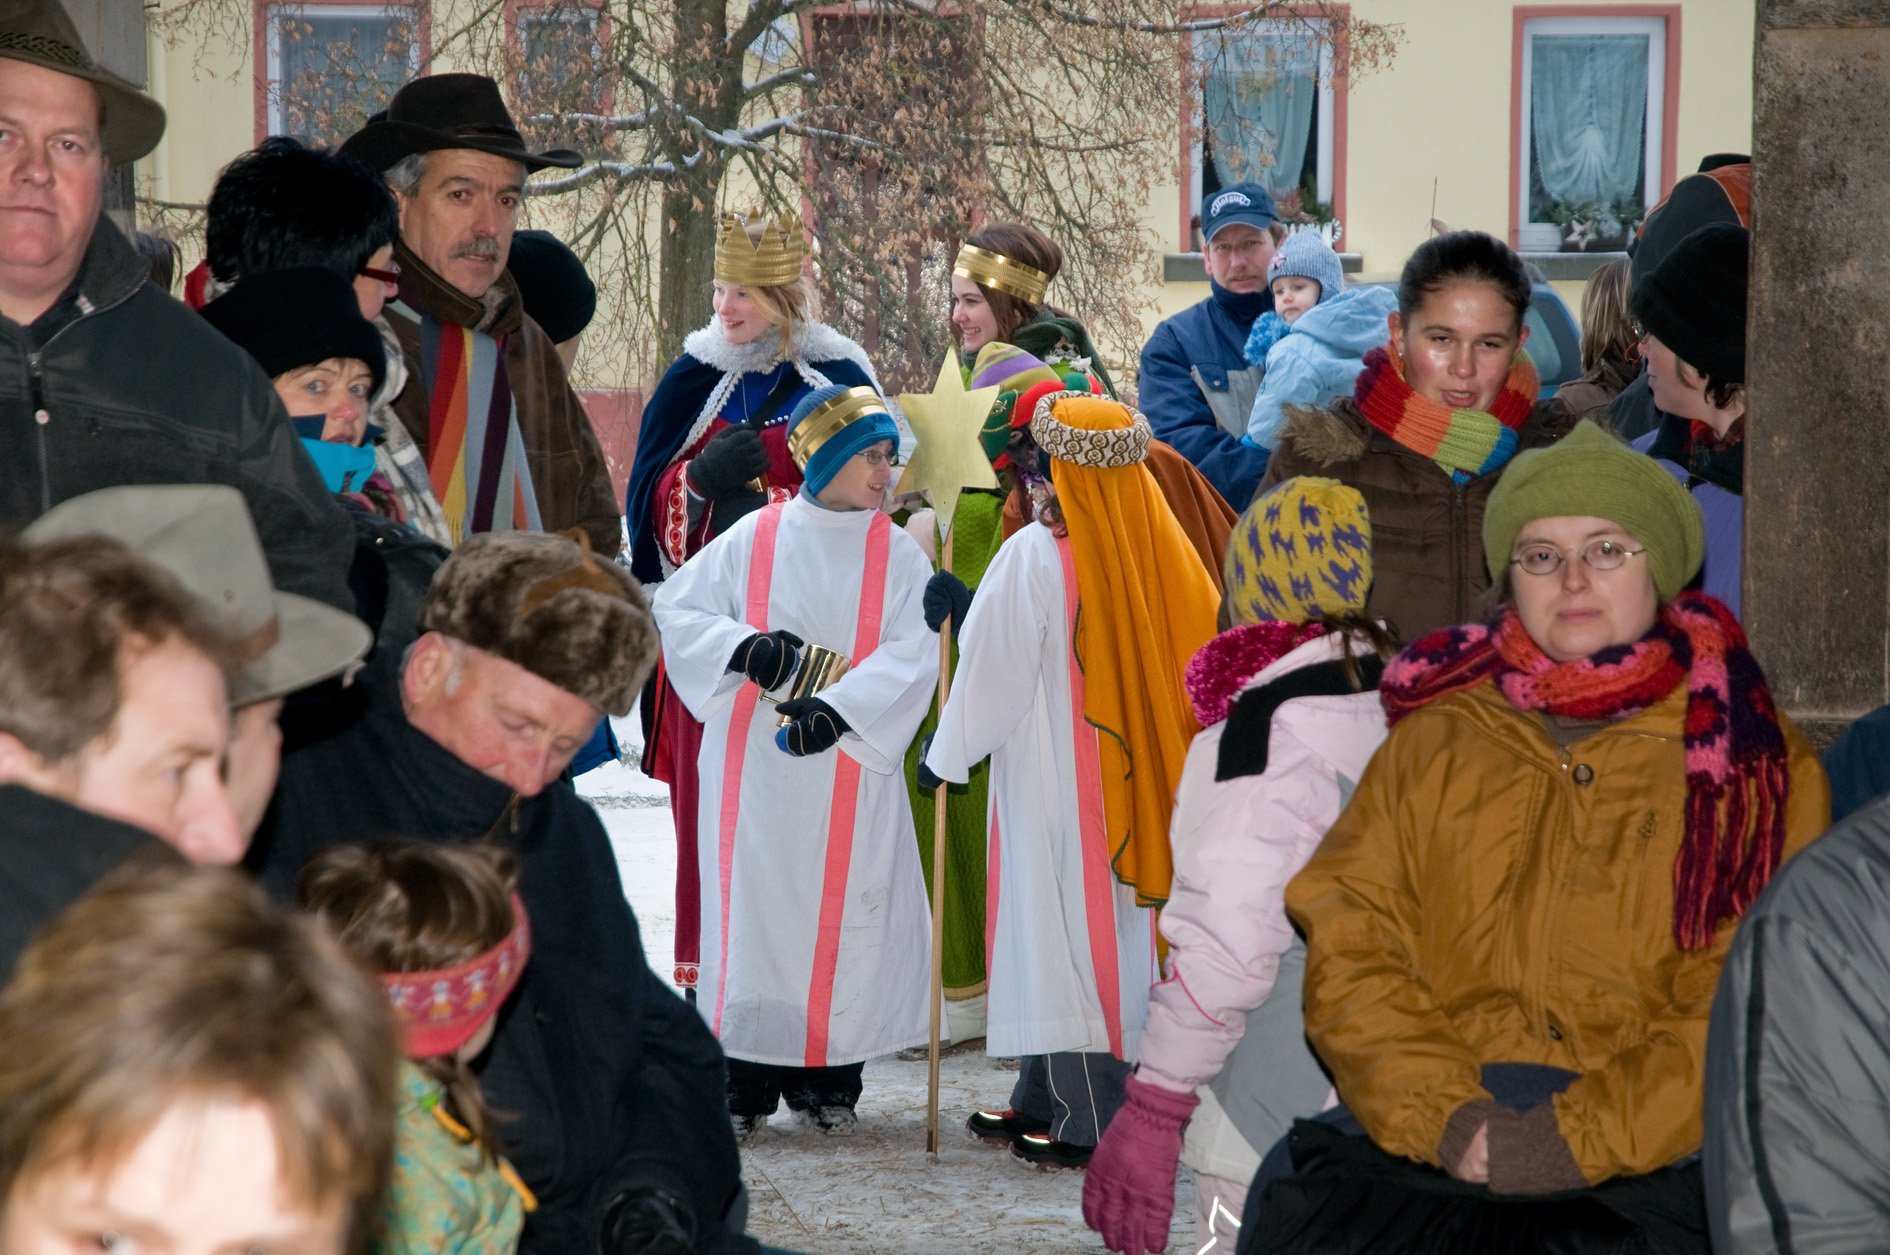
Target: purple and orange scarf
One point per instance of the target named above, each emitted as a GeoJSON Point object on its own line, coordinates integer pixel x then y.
{"type": "Point", "coordinates": [1463, 443]}
{"type": "Point", "coordinates": [1737, 772]}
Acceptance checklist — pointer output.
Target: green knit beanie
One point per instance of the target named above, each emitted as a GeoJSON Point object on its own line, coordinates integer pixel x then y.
{"type": "Point", "coordinates": [1589, 472]}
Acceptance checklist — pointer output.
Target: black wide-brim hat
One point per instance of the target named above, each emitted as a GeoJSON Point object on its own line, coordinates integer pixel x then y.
{"type": "Point", "coordinates": [38, 32]}
{"type": "Point", "coordinates": [449, 111]}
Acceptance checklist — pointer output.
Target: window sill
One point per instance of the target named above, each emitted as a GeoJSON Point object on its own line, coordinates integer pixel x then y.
{"type": "Point", "coordinates": [1576, 267]}
{"type": "Point", "coordinates": [1188, 268]}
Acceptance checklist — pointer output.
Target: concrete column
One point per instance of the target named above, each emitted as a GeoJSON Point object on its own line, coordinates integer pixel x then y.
{"type": "Point", "coordinates": [1817, 560]}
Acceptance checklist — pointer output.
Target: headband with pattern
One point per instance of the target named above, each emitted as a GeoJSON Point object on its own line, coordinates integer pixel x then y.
{"type": "Point", "coordinates": [440, 1010]}
{"type": "Point", "coordinates": [1085, 446]}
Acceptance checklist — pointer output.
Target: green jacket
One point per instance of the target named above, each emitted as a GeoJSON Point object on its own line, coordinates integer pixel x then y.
{"type": "Point", "coordinates": [447, 1196]}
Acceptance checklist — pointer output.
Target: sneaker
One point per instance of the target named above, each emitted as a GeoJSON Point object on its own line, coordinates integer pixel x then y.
{"type": "Point", "coordinates": [1000, 1128]}
{"type": "Point", "coordinates": [834, 1121]}
{"type": "Point", "coordinates": [1048, 1154]}
{"type": "Point", "coordinates": [746, 1127]}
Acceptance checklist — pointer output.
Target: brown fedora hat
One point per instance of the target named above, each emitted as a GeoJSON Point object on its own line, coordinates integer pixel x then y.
{"type": "Point", "coordinates": [449, 111]}
{"type": "Point", "coordinates": [38, 32]}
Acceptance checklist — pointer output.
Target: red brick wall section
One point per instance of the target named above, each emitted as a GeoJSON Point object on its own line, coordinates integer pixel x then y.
{"type": "Point", "coordinates": [615, 414]}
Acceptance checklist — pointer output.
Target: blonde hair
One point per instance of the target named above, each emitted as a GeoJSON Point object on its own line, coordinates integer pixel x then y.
{"type": "Point", "coordinates": [169, 984]}
{"type": "Point", "coordinates": [1607, 326]}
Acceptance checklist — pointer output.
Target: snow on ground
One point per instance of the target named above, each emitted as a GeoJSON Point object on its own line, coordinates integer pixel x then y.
{"type": "Point", "coordinates": [877, 1191]}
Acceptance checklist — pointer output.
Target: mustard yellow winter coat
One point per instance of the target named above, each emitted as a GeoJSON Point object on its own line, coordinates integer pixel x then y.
{"type": "Point", "coordinates": [1490, 898]}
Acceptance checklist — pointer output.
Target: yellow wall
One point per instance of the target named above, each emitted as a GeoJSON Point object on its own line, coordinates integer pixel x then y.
{"type": "Point", "coordinates": [1439, 113]}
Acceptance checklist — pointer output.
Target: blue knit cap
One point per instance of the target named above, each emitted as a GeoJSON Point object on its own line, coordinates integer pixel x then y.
{"type": "Point", "coordinates": [1308, 256]}
{"type": "Point", "coordinates": [833, 450]}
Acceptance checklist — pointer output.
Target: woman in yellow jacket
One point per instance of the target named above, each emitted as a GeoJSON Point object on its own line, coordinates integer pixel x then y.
{"type": "Point", "coordinates": [1543, 866]}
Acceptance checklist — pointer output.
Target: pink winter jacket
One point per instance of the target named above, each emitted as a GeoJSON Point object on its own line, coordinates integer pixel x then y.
{"type": "Point", "coordinates": [1236, 844]}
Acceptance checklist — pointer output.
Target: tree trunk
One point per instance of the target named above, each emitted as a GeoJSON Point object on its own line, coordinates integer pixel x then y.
{"type": "Point", "coordinates": [706, 75]}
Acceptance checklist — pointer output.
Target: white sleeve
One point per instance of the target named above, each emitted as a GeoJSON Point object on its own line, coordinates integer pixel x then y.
{"type": "Point", "coordinates": [699, 613]}
{"type": "Point", "coordinates": [1000, 659]}
{"type": "Point", "coordinates": [885, 697]}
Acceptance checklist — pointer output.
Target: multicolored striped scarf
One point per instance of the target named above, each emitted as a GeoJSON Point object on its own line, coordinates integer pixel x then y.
{"type": "Point", "coordinates": [1463, 443]}
{"type": "Point", "coordinates": [475, 452]}
{"type": "Point", "coordinates": [1737, 774]}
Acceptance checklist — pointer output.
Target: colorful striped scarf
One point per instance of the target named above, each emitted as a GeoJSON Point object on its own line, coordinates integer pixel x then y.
{"type": "Point", "coordinates": [1737, 774]}
{"type": "Point", "coordinates": [475, 452]}
{"type": "Point", "coordinates": [1463, 443]}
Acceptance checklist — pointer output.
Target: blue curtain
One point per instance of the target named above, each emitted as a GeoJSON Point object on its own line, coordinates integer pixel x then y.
{"type": "Point", "coordinates": [1262, 87]}
{"type": "Point", "coordinates": [1588, 113]}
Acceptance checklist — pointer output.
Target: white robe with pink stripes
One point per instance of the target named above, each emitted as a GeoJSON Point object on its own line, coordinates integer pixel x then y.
{"type": "Point", "coordinates": [1070, 955]}
{"type": "Point", "coordinates": [815, 927]}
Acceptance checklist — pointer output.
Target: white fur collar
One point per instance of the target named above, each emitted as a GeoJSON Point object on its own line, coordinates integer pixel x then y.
{"type": "Point", "coordinates": [813, 342]}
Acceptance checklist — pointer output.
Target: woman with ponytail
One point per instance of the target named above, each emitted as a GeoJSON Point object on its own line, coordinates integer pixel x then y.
{"type": "Point", "coordinates": [1515, 930]}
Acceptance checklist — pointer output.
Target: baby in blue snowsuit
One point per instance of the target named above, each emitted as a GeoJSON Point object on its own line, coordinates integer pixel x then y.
{"type": "Point", "coordinates": [1313, 342]}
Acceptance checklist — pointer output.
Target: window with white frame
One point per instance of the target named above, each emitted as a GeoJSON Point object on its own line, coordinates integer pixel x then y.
{"type": "Point", "coordinates": [1593, 98]}
{"type": "Point", "coordinates": [1266, 112]}
{"type": "Point", "coordinates": [331, 65]}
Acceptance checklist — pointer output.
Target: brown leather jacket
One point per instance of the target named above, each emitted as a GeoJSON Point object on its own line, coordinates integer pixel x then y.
{"type": "Point", "coordinates": [567, 463]}
{"type": "Point", "coordinates": [1427, 532]}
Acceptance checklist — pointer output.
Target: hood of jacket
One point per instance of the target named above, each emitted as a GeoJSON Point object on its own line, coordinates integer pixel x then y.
{"type": "Point", "coordinates": [1352, 322]}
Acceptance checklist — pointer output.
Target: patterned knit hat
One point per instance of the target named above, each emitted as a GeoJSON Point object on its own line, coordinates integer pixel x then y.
{"type": "Point", "coordinates": [1307, 255]}
{"type": "Point", "coordinates": [1303, 551]}
{"type": "Point", "coordinates": [1008, 367]}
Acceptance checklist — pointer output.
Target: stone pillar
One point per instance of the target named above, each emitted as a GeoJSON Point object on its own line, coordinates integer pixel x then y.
{"type": "Point", "coordinates": [1817, 559]}
{"type": "Point", "coordinates": [114, 31]}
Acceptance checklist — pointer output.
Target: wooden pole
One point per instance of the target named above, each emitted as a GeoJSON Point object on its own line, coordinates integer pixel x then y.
{"type": "Point", "coordinates": [938, 880]}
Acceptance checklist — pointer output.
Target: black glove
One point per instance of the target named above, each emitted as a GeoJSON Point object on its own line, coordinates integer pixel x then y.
{"type": "Point", "coordinates": [946, 597]}
{"type": "Point", "coordinates": [647, 1222]}
{"type": "Point", "coordinates": [767, 658]}
{"type": "Point", "coordinates": [928, 779]}
{"type": "Point", "coordinates": [725, 512]}
{"type": "Point", "coordinates": [817, 727]}
{"type": "Point", "coordinates": [726, 464]}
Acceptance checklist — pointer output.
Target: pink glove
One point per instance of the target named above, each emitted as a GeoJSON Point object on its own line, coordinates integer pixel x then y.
{"type": "Point", "coordinates": [1129, 1190]}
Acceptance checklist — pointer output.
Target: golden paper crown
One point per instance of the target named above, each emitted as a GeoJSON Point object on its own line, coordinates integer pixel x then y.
{"type": "Point", "coordinates": [994, 270]}
{"type": "Point", "coordinates": [772, 262]}
{"type": "Point", "coordinates": [829, 419]}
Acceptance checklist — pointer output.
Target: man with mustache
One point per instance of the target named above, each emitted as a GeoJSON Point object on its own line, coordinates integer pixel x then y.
{"type": "Point", "coordinates": [507, 443]}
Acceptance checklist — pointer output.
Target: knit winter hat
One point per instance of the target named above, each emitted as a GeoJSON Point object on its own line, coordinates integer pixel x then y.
{"type": "Point", "coordinates": [1307, 255]}
{"type": "Point", "coordinates": [546, 604]}
{"type": "Point", "coordinates": [1694, 301]}
{"type": "Point", "coordinates": [287, 319]}
{"type": "Point", "coordinates": [1588, 472]}
{"type": "Point", "coordinates": [1011, 369]}
{"type": "Point", "coordinates": [832, 424]}
{"type": "Point", "coordinates": [552, 283]}
{"type": "Point", "coordinates": [1303, 551]}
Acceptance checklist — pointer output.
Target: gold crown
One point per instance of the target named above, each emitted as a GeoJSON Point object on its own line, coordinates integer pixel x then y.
{"type": "Point", "coordinates": [773, 261]}
{"type": "Point", "coordinates": [994, 270]}
{"type": "Point", "coordinates": [829, 418]}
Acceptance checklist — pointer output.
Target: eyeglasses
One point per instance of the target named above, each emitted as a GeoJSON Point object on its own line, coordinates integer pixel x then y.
{"type": "Point", "coordinates": [1636, 330]}
{"type": "Point", "coordinates": [873, 457]}
{"type": "Point", "coordinates": [1600, 555]}
{"type": "Point", "coordinates": [389, 275]}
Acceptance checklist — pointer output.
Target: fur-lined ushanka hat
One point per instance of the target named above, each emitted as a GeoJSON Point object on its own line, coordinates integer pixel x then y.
{"type": "Point", "coordinates": [545, 603]}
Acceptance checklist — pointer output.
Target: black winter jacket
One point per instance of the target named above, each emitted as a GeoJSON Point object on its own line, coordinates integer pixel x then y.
{"type": "Point", "coordinates": [118, 383]}
{"type": "Point", "coordinates": [603, 1079]}
{"type": "Point", "coordinates": [51, 854]}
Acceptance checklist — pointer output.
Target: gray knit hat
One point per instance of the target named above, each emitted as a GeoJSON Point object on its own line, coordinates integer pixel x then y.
{"type": "Point", "coordinates": [1306, 254]}
{"type": "Point", "coordinates": [546, 604]}
{"type": "Point", "coordinates": [1590, 473]}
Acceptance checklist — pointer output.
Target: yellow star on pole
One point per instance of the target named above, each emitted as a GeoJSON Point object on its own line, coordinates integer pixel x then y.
{"type": "Point", "coordinates": [949, 457]}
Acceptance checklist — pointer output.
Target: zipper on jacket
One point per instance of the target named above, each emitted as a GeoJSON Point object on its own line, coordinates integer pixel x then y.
{"type": "Point", "coordinates": [41, 419]}
{"type": "Point", "coordinates": [1457, 541]}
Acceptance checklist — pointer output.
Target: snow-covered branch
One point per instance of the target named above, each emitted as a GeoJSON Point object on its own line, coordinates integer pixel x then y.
{"type": "Point", "coordinates": [603, 121]}
{"type": "Point", "coordinates": [621, 171]}
{"type": "Point", "coordinates": [1076, 18]}
{"type": "Point", "coordinates": [799, 75]}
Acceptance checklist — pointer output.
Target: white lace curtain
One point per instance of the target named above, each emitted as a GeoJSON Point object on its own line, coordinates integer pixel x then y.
{"type": "Point", "coordinates": [1261, 90]}
{"type": "Point", "coordinates": [1588, 114]}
